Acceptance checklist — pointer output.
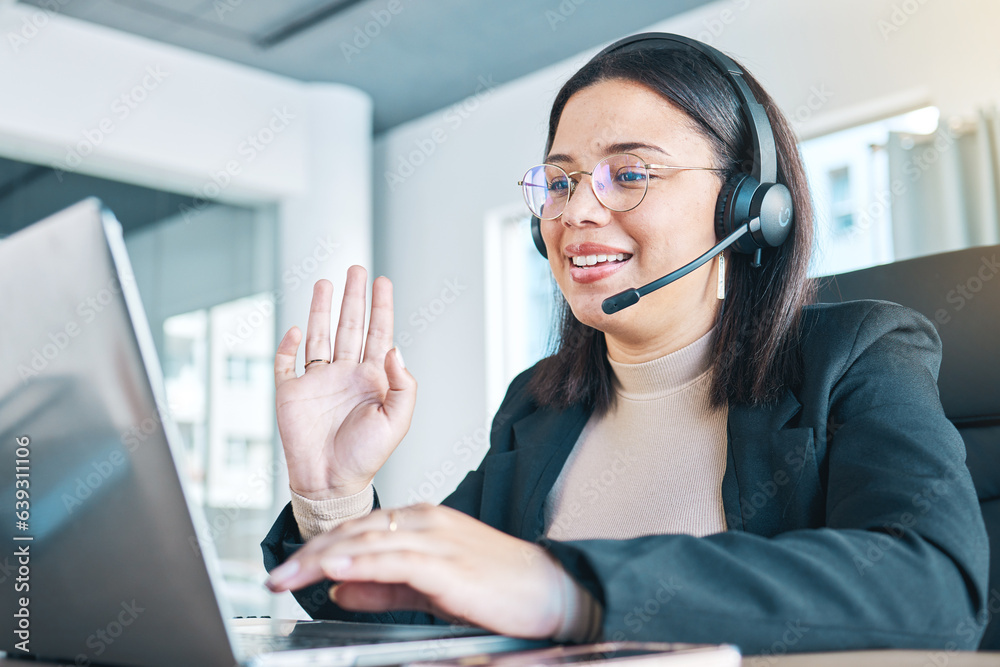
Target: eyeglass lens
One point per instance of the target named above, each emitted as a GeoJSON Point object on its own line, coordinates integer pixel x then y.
{"type": "Point", "coordinates": [619, 182]}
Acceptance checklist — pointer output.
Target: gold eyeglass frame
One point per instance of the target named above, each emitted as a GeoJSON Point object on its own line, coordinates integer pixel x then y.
{"type": "Point", "coordinates": [573, 183]}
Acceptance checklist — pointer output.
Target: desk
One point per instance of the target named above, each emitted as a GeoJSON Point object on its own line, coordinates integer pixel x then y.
{"type": "Point", "coordinates": [841, 659]}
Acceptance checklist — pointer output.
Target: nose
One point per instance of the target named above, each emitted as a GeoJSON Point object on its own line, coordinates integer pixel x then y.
{"type": "Point", "coordinates": [582, 206]}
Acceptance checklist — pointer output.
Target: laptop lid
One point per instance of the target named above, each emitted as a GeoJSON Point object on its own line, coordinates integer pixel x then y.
{"type": "Point", "coordinates": [108, 562]}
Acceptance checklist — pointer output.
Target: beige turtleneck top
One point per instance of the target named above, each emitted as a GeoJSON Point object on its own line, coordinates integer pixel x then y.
{"type": "Point", "coordinates": [654, 463]}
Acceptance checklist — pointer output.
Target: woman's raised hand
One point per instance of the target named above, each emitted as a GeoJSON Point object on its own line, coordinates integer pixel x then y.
{"type": "Point", "coordinates": [340, 421]}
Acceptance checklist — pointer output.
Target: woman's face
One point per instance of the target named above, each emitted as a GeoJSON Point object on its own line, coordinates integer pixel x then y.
{"type": "Point", "coordinates": [672, 226]}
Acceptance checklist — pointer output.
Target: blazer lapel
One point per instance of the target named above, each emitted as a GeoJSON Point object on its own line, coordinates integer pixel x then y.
{"type": "Point", "coordinates": [768, 467]}
{"type": "Point", "coordinates": [542, 443]}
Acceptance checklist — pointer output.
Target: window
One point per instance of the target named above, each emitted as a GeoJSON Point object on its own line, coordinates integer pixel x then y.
{"type": "Point", "coordinates": [520, 301]}
{"type": "Point", "coordinates": [222, 396]}
{"type": "Point", "coordinates": [243, 370]}
{"type": "Point", "coordinates": [236, 452]}
{"type": "Point", "coordinates": [848, 173]}
{"type": "Point", "coordinates": [185, 365]}
{"type": "Point", "coordinates": [237, 370]}
{"type": "Point", "coordinates": [841, 201]}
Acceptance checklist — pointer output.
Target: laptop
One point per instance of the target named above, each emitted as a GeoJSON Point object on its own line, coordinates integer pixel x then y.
{"type": "Point", "coordinates": [105, 559]}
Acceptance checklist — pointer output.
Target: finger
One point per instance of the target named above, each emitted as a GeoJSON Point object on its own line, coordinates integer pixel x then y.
{"type": "Point", "coordinates": [284, 357]}
{"type": "Point", "coordinates": [318, 329]}
{"type": "Point", "coordinates": [311, 564]}
{"type": "Point", "coordinates": [402, 395]}
{"type": "Point", "coordinates": [413, 518]}
{"type": "Point", "coordinates": [380, 322]}
{"type": "Point", "coordinates": [429, 574]}
{"type": "Point", "coordinates": [351, 327]}
{"type": "Point", "coordinates": [368, 596]}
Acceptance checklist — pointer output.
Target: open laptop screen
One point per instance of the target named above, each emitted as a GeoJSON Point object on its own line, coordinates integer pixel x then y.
{"type": "Point", "coordinates": [99, 559]}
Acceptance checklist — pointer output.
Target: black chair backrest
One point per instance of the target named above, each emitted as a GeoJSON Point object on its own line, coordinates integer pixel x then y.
{"type": "Point", "coordinates": [960, 293]}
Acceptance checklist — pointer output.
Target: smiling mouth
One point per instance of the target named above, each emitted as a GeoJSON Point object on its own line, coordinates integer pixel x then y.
{"type": "Point", "coordinates": [587, 261]}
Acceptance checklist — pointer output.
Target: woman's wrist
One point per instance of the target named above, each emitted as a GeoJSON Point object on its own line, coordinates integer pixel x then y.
{"type": "Point", "coordinates": [584, 617]}
{"type": "Point", "coordinates": [580, 616]}
{"type": "Point", "coordinates": [331, 493]}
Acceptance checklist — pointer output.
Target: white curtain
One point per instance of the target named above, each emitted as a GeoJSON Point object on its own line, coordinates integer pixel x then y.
{"type": "Point", "coordinates": [946, 192]}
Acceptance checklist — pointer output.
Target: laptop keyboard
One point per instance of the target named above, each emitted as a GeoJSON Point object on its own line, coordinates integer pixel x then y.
{"type": "Point", "coordinates": [324, 634]}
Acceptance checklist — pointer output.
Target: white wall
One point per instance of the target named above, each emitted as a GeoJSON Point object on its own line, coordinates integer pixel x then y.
{"type": "Point", "coordinates": [829, 65]}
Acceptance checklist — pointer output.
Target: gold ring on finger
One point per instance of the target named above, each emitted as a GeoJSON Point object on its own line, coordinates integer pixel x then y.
{"type": "Point", "coordinates": [316, 361]}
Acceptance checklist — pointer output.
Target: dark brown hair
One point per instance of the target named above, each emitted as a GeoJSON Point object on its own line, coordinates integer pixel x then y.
{"type": "Point", "coordinates": [755, 354]}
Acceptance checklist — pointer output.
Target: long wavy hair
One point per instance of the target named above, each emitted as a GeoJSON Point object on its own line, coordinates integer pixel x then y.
{"type": "Point", "coordinates": [755, 355]}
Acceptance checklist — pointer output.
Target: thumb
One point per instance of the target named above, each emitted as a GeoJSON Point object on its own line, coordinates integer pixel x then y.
{"type": "Point", "coordinates": [402, 394]}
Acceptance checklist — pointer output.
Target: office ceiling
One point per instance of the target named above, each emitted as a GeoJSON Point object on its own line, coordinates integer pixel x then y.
{"type": "Point", "coordinates": [411, 56]}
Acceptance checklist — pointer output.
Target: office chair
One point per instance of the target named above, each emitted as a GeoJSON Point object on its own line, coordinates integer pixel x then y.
{"type": "Point", "coordinates": [960, 293]}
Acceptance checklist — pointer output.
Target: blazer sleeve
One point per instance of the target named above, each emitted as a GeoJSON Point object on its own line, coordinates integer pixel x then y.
{"type": "Point", "coordinates": [902, 560]}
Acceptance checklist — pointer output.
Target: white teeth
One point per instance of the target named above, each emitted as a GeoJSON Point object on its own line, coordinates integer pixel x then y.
{"type": "Point", "coordinates": [591, 260]}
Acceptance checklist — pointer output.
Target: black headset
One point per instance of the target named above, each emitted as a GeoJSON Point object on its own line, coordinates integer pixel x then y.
{"type": "Point", "coordinates": [754, 202]}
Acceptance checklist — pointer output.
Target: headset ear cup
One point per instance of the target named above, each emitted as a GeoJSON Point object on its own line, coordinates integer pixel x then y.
{"type": "Point", "coordinates": [733, 207]}
{"type": "Point", "coordinates": [776, 214]}
{"type": "Point", "coordinates": [536, 236]}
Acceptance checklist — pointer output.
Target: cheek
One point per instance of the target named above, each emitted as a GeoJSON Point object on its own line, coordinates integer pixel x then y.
{"type": "Point", "coordinates": [550, 236]}
{"type": "Point", "coordinates": [681, 221]}
{"type": "Point", "coordinates": [554, 267]}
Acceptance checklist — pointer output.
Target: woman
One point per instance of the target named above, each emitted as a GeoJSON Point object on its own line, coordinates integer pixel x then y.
{"type": "Point", "coordinates": [720, 462]}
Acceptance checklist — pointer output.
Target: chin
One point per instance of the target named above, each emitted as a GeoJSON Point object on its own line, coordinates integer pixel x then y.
{"type": "Point", "coordinates": [588, 310]}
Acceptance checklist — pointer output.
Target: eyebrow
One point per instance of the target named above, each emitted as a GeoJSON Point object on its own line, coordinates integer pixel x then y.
{"type": "Point", "coordinates": [623, 147]}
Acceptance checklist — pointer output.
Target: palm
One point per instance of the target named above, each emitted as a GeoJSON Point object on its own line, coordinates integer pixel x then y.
{"type": "Point", "coordinates": [339, 422]}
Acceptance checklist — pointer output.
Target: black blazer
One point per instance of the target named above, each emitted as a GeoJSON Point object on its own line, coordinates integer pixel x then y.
{"type": "Point", "coordinates": [852, 518]}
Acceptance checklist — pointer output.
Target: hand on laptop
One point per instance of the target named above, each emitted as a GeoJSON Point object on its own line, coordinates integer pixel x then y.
{"type": "Point", "coordinates": [339, 421]}
{"type": "Point", "coordinates": [436, 559]}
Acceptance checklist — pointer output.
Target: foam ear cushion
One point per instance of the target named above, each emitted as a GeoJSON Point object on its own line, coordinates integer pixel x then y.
{"type": "Point", "coordinates": [722, 204]}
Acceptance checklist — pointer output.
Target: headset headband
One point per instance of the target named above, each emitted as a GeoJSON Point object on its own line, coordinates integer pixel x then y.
{"type": "Point", "coordinates": [765, 167]}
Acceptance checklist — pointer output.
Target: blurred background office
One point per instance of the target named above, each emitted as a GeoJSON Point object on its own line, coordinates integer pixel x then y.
{"type": "Point", "coordinates": [250, 148]}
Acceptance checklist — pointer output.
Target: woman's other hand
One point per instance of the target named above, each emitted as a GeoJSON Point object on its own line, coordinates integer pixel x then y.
{"type": "Point", "coordinates": [340, 421]}
{"type": "Point", "coordinates": [435, 559]}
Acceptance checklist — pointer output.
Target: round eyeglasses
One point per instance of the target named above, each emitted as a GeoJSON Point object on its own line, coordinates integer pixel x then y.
{"type": "Point", "coordinates": [619, 182]}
